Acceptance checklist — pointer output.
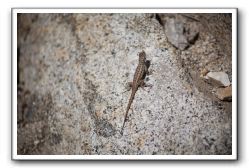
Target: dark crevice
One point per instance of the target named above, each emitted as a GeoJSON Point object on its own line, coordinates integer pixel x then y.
{"type": "Point", "coordinates": [18, 67]}
{"type": "Point", "coordinates": [159, 19]}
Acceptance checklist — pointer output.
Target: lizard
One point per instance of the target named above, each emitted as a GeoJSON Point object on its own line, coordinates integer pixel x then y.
{"type": "Point", "coordinates": [138, 81]}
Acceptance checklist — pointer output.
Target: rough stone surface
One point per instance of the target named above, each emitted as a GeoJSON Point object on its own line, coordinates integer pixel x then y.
{"type": "Point", "coordinates": [224, 94]}
{"type": "Point", "coordinates": [212, 50]}
{"type": "Point", "coordinates": [72, 73]}
{"type": "Point", "coordinates": [218, 78]}
{"type": "Point", "coordinates": [179, 32]}
{"type": "Point", "coordinates": [174, 31]}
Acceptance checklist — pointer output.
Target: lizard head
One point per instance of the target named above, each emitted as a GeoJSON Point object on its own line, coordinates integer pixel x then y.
{"type": "Point", "coordinates": [142, 56]}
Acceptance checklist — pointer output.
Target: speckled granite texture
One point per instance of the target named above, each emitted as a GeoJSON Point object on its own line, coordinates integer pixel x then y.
{"type": "Point", "coordinates": [72, 73]}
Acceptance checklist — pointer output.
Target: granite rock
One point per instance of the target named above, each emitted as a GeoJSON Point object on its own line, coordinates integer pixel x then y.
{"type": "Point", "coordinates": [179, 33]}
{"type": "Point", "coordinates": [218, 78]}
{"type": "Point", "coordinates": [224, 94]}
{"type": "Point", "coordinates": [73, 69]}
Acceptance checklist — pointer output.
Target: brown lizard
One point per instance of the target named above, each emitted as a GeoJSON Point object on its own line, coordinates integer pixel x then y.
{"type": "Point", "coordinates": [138, 80]}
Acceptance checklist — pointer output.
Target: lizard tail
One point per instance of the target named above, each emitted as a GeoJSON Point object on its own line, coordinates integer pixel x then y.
{"type": "Point", "coordinates": [127, 110]}
{"type": "Point", "coordinates": [122, 131]}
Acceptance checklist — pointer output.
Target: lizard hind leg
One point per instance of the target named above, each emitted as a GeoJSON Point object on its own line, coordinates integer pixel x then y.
{"type": "Point", "coordinates": [129, 86]}
{"type": "Point", "coordinates": [142, 84]}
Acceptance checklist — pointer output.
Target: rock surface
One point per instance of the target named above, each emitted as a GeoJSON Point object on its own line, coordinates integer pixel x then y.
{"type": "Point", "coordinates": [178, 33]}
{"type": "Point", "coordinates": [73, 69]}
{"type": "Point", "coordinates": [218, 78]}
{"type": "Point", "coordinates": [224, 94]}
